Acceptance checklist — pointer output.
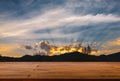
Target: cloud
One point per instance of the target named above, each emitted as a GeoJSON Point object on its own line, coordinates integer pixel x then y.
{"type": "Point", "coordinates": [28, 47]}
{"type": "Point", "coordinates": [62, 20]}
{"type": "Point", "coordinates": [13, 33]}
{"type": "Point", "coordinates": [93, 7]}
{"type": "Point", "coordinates": [111, 46]}
{"type": "Point", "coordinates": [52, 19]}
{"type": "Point", "coordinates": [114, 43]}
{"type": "Point", "coordinates": [10, 50]}
{"type": "Point", "coordinates": [42, 48]}
{"type": "Point", "coordinates": [57, 22]}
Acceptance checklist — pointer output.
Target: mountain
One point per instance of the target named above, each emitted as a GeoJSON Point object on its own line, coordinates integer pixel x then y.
{"type": "Point", "coordinates": [67, 57]}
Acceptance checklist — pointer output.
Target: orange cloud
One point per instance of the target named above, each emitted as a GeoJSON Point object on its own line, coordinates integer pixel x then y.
{"type": "Point", "coordinates": [9, 50]}
{"type": "Point", "coordinates": [115, 42]}
{"type": "Point", "coordinates": [111, 47]}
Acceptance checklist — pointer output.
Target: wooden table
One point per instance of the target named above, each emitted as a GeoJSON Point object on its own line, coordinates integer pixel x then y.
{"type": "Point", "coordinates": [59, 70]}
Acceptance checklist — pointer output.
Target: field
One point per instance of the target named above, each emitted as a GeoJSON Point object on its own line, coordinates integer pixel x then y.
{"type": "Point", "coordinates": [59, 70]}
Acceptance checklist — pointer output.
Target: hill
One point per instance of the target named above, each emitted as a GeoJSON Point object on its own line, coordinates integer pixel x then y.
{"type": "Point", "coordinates": [67, 57]}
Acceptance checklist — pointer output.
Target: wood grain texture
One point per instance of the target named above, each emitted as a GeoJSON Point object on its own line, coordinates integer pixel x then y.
{"type": "Point", "coordinates": [59, 70]}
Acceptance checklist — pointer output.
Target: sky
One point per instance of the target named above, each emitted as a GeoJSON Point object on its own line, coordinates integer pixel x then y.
{"type": "Point", "coordinates": [25, 22]}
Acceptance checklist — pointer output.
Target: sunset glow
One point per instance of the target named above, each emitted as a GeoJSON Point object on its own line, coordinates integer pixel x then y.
{"type": "Point", "coordinates": [25, 24]}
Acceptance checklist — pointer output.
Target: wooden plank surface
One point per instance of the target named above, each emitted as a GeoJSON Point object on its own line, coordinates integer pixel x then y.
{"type": "Point", "coordinates": [59, 70]}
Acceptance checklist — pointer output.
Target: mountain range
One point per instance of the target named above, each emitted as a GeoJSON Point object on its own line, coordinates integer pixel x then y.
{"type": "Point", "coordinates": [67, 57]}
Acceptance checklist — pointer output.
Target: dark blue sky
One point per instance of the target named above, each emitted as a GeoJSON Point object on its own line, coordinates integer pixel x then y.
{"type": "Point", "coordinates": [60, 22]}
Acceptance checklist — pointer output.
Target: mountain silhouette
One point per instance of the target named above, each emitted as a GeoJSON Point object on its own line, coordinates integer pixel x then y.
{"type": "Point", "coordinates": [67, 57]}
